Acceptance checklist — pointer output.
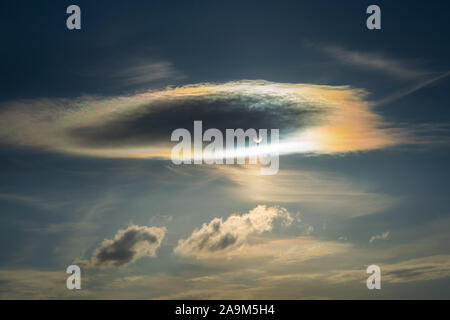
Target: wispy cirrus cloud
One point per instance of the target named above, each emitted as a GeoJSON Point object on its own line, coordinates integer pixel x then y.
{"type": "Point", "coordinates": [317, 191]}
{"type": "Point", "coordinates": [30, 200]}
{"type": "Point", "coordinates": [419, 269]}
{"type": "Point", "coordinates": [136, 71]}
{"type": "Point", "coordinates": [375, 61]}
{"type": "Point", "coordinates": [380, 62]}
{"type": "Point", "coordinates": [144, 73]}
{"type": "Point", "coordinates": [260, 280]}
{"type": "Point", "coordinates": [407, 91]}
{"type": "Point", "coordinates": [410, 270]}
{"type": "Point", "coordinates": [37, 284]}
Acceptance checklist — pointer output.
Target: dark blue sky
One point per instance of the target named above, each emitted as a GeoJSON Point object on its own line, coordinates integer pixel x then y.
{"type": "Point", "coordinates": [208, 41]}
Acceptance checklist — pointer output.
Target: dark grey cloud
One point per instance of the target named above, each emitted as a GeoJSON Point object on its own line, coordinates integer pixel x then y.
{"type": "Point", "coordinates": [224, 242]}
{"type": "Point", "coordinates": [127, 246]}
{"type": "Point", "coordinates": [156, 121]}
{"type": "Point", "coordinates": [206, 241]}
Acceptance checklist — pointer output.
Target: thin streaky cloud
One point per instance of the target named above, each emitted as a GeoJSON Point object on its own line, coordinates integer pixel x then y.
{"type": "Point", "coordinates": [319, 191]}
{"type": "Point", "coordinates": [407, 91]}
{"type": "Point", "coordinates": [146, 73]}
{"type": "Point", "coordinates": [31, 201]}
{"type": "Point", "coordinates": [378, 62]}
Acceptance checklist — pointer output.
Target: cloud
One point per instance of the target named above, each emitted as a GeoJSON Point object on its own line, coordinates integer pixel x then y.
{"type": "Point", "coordinates": [262, 280]}
{"type": "Point", "coordinates": [373, 61]}
{"type": "Point", "coordinates": [265, 267]}
{"type": "Point", "coordinates": [279, 252]}
{"type": "Point", "coordinates": [380, 63]}
{"type": "Point", "coordinates": [37, 284]}
{"type": "Point", "coordinates": [322, 192]}
{"type": "Point", "coordinates": [311, 118]}
{"type": "Point", "coordinates": [419, 269]}
{"type": "Point", "coordinates": [405, 92]}
{"type": "Point", "coordinates": [127, 246]}
{"type": "Point", "coordinates": [219, 236]}
{"type": "Point", "coordinates": [144, 73]}
{"type": "Point", "coordinates": [33, 201]}
{"type": "Point", "coordinates": [411, 270]}
{"type": "Point", "coordinates": [250, 271]}
{"type": "Point", "coordinates": [137, 71]}
{"type": "Point", "coordinates": [382, 236]}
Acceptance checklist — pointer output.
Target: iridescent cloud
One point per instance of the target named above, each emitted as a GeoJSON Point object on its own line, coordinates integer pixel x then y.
{"type": "Point", "coordinates": [311, 118]}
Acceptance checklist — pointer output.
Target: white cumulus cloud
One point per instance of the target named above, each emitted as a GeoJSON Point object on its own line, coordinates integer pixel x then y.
{"type": "Point", "coordinates": [219, 235]}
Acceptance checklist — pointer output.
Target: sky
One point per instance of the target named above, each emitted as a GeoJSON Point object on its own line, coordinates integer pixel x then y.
{"type": "Point", "coordinates": [86, 176]}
